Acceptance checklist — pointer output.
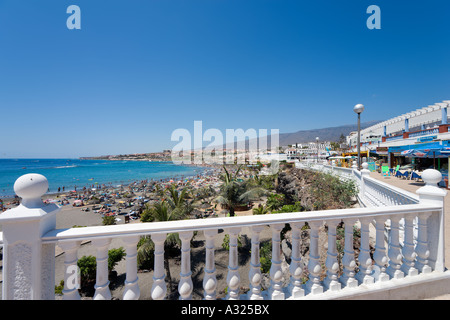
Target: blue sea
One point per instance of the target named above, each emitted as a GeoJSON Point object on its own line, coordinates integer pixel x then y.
{"type": "Point", "coordinates": [87, 173]}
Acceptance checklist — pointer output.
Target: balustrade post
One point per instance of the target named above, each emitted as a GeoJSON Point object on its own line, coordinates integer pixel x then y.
{"type": "Point", "coordinates": [433, 195]}
{"type": "Point", "coordinates": [331, 281]}
{"type": "Point", "coordinates": [132, 291]}
{"type": "Point", "coordinates": [395, 251]}
{"type": "Point", "coordinates": [364, 173]}
{"type": "Point", "coordinates": [159, 287]}
{"type": "Point", "coordinates": [185, 286]}
{"type": "Point", "coordinates": [209, 279]}
{"type": "Point", "coordinates": [71, 276]}
{"type": "Point", "coordinates": [364, 276]}
{"type": "Point", "coordinates": [254, 274]}
{"type": "Point", "coordinates": [409, 255]}
{"type": "Point", "coordinates": [102, 291]}
{"type": "Point", "coordinates": [313, 286]}
{"type": "Point", "coordinates": [296, 267]}
{"type": "Point", "coordinates": [348, 277]}
{"type": "Point", "coordinates": [422, 244]}
{"type": "Point", "coordinates": [276, 274]}
{"type": "Point", "coordinates": [29, 265]}
{"type": "Point", "coordinates": [379, 256]}
{"type": "Point", "coordinates": [233, 277]}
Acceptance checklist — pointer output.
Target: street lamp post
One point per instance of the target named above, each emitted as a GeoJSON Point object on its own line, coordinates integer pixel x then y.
{"type": "Point", "coordinates": [317, 146]}
{"type": "Point", "coordinates": [359, 108]}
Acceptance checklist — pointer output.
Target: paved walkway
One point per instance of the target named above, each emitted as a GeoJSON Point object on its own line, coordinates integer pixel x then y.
{"type": "Point", "coordinates": [412, 186]}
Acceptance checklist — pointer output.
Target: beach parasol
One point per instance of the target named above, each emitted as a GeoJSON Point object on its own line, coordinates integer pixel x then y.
{"type": "Point", "coordinates": [434, 152]}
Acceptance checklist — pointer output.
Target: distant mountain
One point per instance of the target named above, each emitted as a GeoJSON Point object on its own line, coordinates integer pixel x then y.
{"type": "Point", "coordinates": [303, 136]}
{"type": "Point", "coordinates": [325, 134]}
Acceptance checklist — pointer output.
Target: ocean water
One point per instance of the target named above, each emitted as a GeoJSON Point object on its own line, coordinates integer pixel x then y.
{"type": "Point", "coordinates": [86, 173]}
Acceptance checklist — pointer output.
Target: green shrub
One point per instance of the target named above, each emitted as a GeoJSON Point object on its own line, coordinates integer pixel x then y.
{"type": "Point", "coordinates": [114, 257]}
{"type": "Point", "coordinates": [297, 207]}
{"type": "Point", "coordinates": [109, 220]}
{"type": "Point", "coordinates": [226, 242]}
{"type": "Point", "coordinates": [88, 269]}
{"type": "Point", "coordinates": [265, 257]}
{"type": "Point", "coordinates": [275, 201]}
{"type": "Point", "coordinates": [59, 288]}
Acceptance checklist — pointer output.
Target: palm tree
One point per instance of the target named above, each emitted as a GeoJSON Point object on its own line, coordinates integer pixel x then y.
{"type": "Point", "coordinates": [178, 201]}
{"type": "Point", "coordinates": [234, 193]}
{"type": "Point", "coordinates": [161, 211]}
{"type": "Point", "coordinates": [261, 210]}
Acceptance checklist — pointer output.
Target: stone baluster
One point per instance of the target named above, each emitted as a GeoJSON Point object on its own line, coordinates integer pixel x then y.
{"type": "Point", "coordinates": [209, 279]}
{"type": "Point", "coordinates": [331, 281]}
{"type": "Point", "coordinates": [348, 277]}
{"type": "Point", "coordinates": [395, 251]}
{"type": "Point", "coordinates": [254, 274]}
{"type": "Point", "coordinates": [409, 254]}
{"type": "Point", "coordinates": [296, 267]}
{"type": "Point", "coordinates": [379, 256]}
{"type": "Point", "coordinates": [185, 286]}
{"type": "Point", "coordinates": [233, 277]}
{"type": "Point", "coordinates": [102, 291]}
{"type": "Point", "coordinates": [422, 244]}
{"type": "Point", "coordinates": [71, 276]}
{"type": "Point", "coordinates": [159, 287]}
{"type": "Point", "coordinates": [131, 291]}
{"type": "Point", "coordinates": [276, 274]}
{"type": "Point", "coordinates": [364, 276]}
{"type": "Point", "coordinates": [313, 286]}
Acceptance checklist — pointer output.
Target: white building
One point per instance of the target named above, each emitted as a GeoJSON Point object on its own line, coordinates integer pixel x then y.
{"type": "Point", "coordinates": [425, 124]}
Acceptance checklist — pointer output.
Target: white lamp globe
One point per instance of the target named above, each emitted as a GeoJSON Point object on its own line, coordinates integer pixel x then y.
{"type": "Point", "coordinates": [358, 108]}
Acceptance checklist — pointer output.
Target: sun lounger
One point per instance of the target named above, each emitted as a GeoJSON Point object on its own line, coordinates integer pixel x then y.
{"type": "Point", "coordinates": [415, 176]}
{"type": "Point", "coordinates": [399, 174]}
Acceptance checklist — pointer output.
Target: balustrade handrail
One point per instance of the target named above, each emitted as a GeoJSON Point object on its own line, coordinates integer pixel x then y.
{"type": "Point", "coordinates": [140, 229]}
{"type": "Point", "coordinates": [410, 196]}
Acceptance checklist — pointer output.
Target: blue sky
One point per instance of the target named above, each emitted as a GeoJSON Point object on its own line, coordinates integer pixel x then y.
{"type": "Point", "coordinates": [138, 70]}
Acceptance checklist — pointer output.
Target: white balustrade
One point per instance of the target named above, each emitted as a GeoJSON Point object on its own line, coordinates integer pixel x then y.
{"type": "Point", "coordinates": [276, 274]}
{"type": "Point", "coordinates": [380, 256]}
{"type": "Point", "coordinates": [348, 277]}
{"type": "Point", "coordinates": [185, 285]}
{"type": "Point", "coordinates": [71, 279]}
{"type": "Point", "coordinates": [254, 274]}
{"type": "Point", "coordinates": [296, 267]}
{"type": "Point", "coordinates": [314, 285]}
{"type": "Point", "coordinates": [159, 288]}
{"type": "Point", "coordinates": [210, 280]}
{"type": "Point", "coordinates": [421, 256]}
{"type": "Point", "coordinates": [395, 250]}
{"type": "Point", "coordinates": [422, 250]}
{"type": "Point", "coordinates": [365, 261]}
{"type": "Point", "coordinates": [132, 291]}
{"type": "Point", "coordinates": [408, 252]}
{"type": "Point", "coordinates": [233, 277]}
{"type": "Point", "coordinates": [102, 291]}
{"type": "Point", "coordinates": [331, 281]}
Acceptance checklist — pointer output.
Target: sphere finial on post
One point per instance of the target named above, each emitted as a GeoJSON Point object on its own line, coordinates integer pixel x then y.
{"type": "Point", "coordinates": [31, 187]}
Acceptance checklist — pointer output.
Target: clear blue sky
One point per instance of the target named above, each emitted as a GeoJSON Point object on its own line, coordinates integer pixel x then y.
{"type": "Point", "coordinates": [137, 70]}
